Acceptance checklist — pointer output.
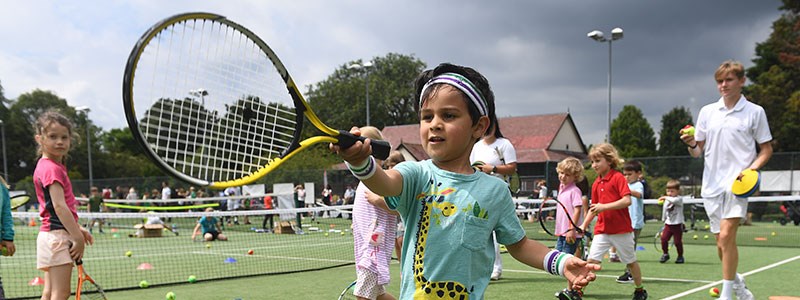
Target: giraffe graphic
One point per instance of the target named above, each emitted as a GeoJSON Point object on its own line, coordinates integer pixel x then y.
{"type": "Point", "coordinates": [426, 289]}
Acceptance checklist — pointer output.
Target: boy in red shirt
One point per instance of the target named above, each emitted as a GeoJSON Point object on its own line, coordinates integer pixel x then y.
{"type": "Point", "coordinates": [610, 200]}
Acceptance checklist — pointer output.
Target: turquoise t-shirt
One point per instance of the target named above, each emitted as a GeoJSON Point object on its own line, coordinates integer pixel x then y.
{"type": "Point", "coordinates": [449, 220]}
{"type": "Point", "coordinates": [208, 224]}
{"type": "Point", "coordinates": [637, 206]}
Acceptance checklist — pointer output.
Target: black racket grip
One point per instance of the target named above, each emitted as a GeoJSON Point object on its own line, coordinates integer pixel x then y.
{"type": "Point", "coordinates": [380, 149]}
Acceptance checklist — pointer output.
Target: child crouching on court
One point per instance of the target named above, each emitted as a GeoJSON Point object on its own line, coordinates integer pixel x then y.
{"type": "Point", "coordinates": [210, 228]}
{"type": "Point", "coordinates": [449, 209]}
{"type": "Point", "coordinates": [672, 215]}
{"type": "Point", "coordinates": [610, 200]}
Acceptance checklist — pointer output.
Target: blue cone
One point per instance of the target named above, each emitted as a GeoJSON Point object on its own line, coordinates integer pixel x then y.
{"type": "Point", "coordinates": [230, 260]}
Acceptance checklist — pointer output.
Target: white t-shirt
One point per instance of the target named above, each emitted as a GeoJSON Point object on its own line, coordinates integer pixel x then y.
{"type": "Point", "coordinates": [672, 211]}
{"type": "Point", "coordinates": [166, 193]}
{"type": "Point", "coordinates": [499, 153]}
{"type": "Point", "coordinates": [730, 142]}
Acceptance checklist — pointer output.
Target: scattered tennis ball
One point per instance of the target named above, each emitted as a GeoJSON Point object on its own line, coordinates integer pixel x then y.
{"type": "Point", "coordinates": [713, 292]}
{"type": "Point", "coordinates": [705, 237]}
{"type": "Point", "coordinates": [707, 226]}
{"type": "Point", "coordinates": [694, 237]}
{"type": "Point", "coordinates": [326, 234]}
{"type": "Point", "coordinates": [250, 252]}
{"type": "Point", "coordinates": [773, 234]}
{"type": "Point", "coordinates": [129, 253]}
{"type": "Point", "coordinates": [170, 296]}
{"type": "Point", "coordinates": [342, 232]}
{"type": "Point", "coordinates": [688, 130]}
{"type": "Point", "coordinates": [192, 279]}
{"type": "Point", "coordinates": [143, 284]}
{"type": "Point", "coordinates": [208, 245]}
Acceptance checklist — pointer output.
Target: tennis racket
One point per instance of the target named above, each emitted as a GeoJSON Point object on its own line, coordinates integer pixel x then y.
{"type": "Point", "coordinates": [211, 103]}
{"type": "Point", "coordinates": [87, 288]}
{"type": "Point", "coordinates": [19, 200]}
{"type": "Point", "coordinates": [548, 223]}
{"type": "Point", "coordinates": [347, 293]}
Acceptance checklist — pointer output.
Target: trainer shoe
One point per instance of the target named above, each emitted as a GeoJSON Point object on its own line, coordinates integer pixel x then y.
{"type": "Point", "coordinates": [639, 294]}
{"type": "Point", "coordinates": [625, 278]}
{"type": "Point", "coordinates": [664, 258]}
{"type": "Point", "coordinates": [740, 289]}
{"type": "Point", "coordinates": [496, 275]}
{"type": "Point", "coordinates": [679, 260]}
{"type": "Point", "coordinates": [613, 258]}
{"type": "Point", "coordinates": [566, 294]}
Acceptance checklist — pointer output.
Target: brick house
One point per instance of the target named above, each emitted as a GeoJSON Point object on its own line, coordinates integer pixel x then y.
{"type": "Point", "coordinates": [541, 141]}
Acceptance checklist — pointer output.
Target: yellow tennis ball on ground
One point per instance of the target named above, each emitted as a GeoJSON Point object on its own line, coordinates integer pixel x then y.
{"type": "Point", "coordinates": [143, 284]}
{"type": "Point", "coordinates": [713, 292]}
{"type": "Point", "coordinates": [129, 253]}
{"type": "Point", "coordinates": [773, 233]}
{"type": "Point", "coordinates": [192, 279]}
{"type": "Point", "coordinates": [170, 296]}
{"type": "Point", "coordinates": [707, 226]}
{"type": "Point", "coordinates": [208, 245]}
{"type": "Point", "coordinates": [694, 237]}
{"type": "Point", "coordinates": [342, 232]}
{"type": "Point", "coordinates": [326, 234]}
{"type": "Point", "coordinates": [705, 237]}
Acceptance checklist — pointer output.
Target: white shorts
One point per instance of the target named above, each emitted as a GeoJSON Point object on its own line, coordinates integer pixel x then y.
{"type": "Point", "coordinates": [367, 284]}
{"type": "Point", "coordinates": [724, 206]}
{"type": "Point", "coordinates": [623, 242]}
{"type": "Point", "coordinates": [52, 249]}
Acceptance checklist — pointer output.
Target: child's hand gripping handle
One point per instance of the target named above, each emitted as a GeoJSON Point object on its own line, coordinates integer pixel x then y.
{"type": "Point", "coordinates": [380, 149]}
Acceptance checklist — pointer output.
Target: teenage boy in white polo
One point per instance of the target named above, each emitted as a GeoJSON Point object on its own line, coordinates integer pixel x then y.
{"type": "Point", "coordinates": [727, 132]}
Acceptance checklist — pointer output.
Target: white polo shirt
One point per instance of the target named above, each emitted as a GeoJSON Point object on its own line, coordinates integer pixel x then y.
{"type": "Point", "coordinates": [730, 141]}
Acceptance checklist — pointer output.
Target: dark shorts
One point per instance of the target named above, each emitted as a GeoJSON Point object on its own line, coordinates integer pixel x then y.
{"type": "Point", "coordinates": [214, 235]}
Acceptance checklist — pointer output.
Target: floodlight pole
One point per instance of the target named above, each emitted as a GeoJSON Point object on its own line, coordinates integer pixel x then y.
{"type": "Point", "coordinates": [597, 35]}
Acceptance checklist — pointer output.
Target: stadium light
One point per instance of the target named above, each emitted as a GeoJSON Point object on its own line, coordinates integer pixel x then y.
{"type": "Point", "coordinates": [202, 93]}
{"type": "Point", "coordinates": [5, 161]}
{"type": "Point", "coordinates": [86, 110]}
{"type": "Point", "coordinates": [598, 36]}
{"type": "Point", "coordinates": [366, 66]}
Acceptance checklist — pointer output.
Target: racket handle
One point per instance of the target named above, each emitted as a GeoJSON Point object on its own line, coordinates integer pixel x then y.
{"type": "Point", "coordinates": [380, 149]}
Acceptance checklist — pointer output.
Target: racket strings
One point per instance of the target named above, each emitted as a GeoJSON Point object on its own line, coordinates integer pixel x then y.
{"type": "Point", "coordinates": [245, 119]}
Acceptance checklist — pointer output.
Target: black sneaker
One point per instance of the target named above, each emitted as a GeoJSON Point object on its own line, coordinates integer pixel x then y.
{"type": "Point", "coordinates": [639, 294]}
{"type": "Point", "coordinates": [625, 278]}
{"type": "Point", "coordinates": [679, 260]}
{"type": "Point", "coordinates": [566, 294]}
{"type": "Point", "coordinates": [664, 258]}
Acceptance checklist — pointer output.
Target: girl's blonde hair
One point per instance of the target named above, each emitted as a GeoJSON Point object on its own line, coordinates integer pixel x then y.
{"type": "Point", "coordinates": [571, 167]}
{"type": "Point", "coordinates": [607, 152]}
{"type": "Point", "coordinates": [394, 158]}
{"type": "Point", "coordinates": [44, 121]}
{"type": "Point", "coordinates": [371, 133]}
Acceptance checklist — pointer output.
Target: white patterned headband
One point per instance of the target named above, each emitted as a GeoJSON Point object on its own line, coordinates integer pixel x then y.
{"type": "Point", "coordinates": [463, 84]}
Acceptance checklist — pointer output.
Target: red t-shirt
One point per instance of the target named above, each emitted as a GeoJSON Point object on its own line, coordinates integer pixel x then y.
{"type": "Point", "coordinates": [48, 172]}
{"type": "Point", "coordinates": [267, 202]}
{"type": "Point", "coordinates": [609, 189]}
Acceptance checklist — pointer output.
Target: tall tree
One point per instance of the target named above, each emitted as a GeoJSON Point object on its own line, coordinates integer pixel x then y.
{"type": "Point", "coordinates": [776, 78]}
{"type": "Point", "coordinates": [632, 134]}
{"type": "Point", "coordinates": [669, 141]}
{"type": "Point", "coordinates": [340, 101]}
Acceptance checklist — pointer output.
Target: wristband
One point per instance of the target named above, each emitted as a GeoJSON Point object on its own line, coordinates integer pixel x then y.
{"type": "Point", "coordinates": [555, 262]}
{"type": "Point", "coordinates": [363, 171]}
{"type": "Point", "coordinates": [695, 146]}
{"type": "Point", "coordinates": [494, 169]}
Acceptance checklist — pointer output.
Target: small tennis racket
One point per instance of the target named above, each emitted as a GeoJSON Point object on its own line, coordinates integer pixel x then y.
{"type": "Point", "coordinates": [87, 288]}
{"type": "Point", "coordinates": [211, 103]}
{"type": "Point", "coordinates": [19, 200]}
{"type": "Point", "coordinates": [549, 224]}
{"type": "Point", "coordinates": [347, 293]}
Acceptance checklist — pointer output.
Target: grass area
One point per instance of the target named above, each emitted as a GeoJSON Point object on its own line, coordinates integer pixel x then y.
{"type": "Point", "coordinates": [174, 258]}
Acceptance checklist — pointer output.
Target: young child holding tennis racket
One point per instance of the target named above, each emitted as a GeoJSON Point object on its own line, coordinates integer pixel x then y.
{"type": "Point", "coordinates": [610, 200]}
{"type": "Point", "coordinates": [373, 239]}
{"type": "Point", "coordinates": [450, 209]}
{"type": "Point", "coordinates": [61, 240]}
{"type": "Point", "coordinates": [6, 227]}
{"type": "Point", "coordinates": [570, 170]}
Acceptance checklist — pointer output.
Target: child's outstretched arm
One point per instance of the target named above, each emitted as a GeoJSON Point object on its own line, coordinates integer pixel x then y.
{"type": "Point", "coordinates": [359, 157]}
{"type": "Point", "coordinates": [533, 253]}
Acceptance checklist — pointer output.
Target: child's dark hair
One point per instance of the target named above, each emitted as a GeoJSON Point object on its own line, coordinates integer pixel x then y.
{"type": "Point", "coordinates": [44, 121]}
{"type": "Point", "coordinates": [474, 76]}
{"type": "Point", "coordinates": [632, 165]}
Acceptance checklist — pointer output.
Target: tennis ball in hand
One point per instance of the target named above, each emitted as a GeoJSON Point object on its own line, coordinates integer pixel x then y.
{"type": "Point", "coordinates": [143, 284]}
{"type": "Point", "coordinates": [4, 251]}
{"type": "Point", "coordinates": [129, 253]}
{"type": "Point", "coordinates": [713, 292]}
{"type": "Point", "coordinates": [688, 130]}
{"type": "Point", "coordinates": [170, 296]}
{"type": "Point", "coordinates": [192, 279]}
{"type": "Point", "coordinates": [661, 201]}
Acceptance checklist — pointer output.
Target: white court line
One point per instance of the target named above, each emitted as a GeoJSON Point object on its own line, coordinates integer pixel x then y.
{"type": "Point", "coordinates": [536, 271]}
{"type": "Point", "coordinates": [702, 288]}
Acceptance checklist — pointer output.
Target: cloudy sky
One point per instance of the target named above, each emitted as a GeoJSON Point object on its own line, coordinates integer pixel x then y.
{"type": "Point", "coordinates": [535, 54]}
